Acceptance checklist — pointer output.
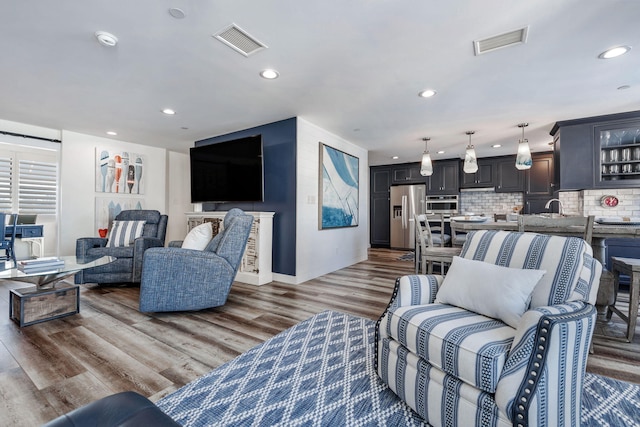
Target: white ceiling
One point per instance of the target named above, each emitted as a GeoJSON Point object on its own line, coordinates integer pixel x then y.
{"type": "Point", "coordinates": [352, 67]}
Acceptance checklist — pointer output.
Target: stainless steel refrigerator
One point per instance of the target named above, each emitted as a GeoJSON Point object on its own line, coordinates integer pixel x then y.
{"type": "Point", "coordinates": [406, 200]}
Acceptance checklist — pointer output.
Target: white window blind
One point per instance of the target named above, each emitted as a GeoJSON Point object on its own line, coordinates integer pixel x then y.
{"type": "Point", "coordinates": [37, 187]}
{"type": "Point", "coordinates": [6, 182]}
{"type": "Point", "coordinates": [28, 179]}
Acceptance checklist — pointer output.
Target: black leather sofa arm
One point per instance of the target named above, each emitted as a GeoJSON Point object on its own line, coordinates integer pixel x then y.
{"type": "Point", "coordinates": [126, 409]}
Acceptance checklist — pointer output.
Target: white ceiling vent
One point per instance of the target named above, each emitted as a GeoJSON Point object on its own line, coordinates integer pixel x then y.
{"type": "Point", "coordinates": [502, 40]}
{"type": "Point", "coordinates": [239, 40]}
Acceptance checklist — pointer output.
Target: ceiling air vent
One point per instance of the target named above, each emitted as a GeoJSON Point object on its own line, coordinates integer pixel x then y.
{"type": "Point", "coordinates": [502, 40]}
{"type": "Point", "coordinates": [239, 40]}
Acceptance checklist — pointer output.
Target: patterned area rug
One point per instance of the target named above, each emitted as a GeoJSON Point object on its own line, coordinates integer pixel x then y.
{"type": "Point", "coordinates": [410, 256]}
{"type": "Point", "coordinates": [320, 372]}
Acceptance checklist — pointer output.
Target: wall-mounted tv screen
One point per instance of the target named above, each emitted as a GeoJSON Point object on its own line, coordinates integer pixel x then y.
{"type": "Point", "coordinates": [230, 171]}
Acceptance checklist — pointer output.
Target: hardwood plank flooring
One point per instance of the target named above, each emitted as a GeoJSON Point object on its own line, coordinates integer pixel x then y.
{"type": "Point", "coordinates": [50, 368]}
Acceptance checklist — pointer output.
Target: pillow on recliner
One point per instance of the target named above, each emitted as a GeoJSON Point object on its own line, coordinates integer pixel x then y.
{"type": "Point", "coordinates": [123, 233]}
{"type": "Point", "coordinates": [199, 237]}
{"type": "Point", "coordinates": [498, 292]}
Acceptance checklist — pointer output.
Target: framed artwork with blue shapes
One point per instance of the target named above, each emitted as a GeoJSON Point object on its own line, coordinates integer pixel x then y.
{"type": "Point", "coordinates": [339, 172]}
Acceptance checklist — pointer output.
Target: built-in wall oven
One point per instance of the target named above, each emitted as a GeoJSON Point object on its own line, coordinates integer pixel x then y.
{"type": "Point", "coordinates": [447, 205]}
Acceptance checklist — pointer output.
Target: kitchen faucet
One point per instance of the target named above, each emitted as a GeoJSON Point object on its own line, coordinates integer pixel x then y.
{"type": "Point", "coordinates": [560, 207]}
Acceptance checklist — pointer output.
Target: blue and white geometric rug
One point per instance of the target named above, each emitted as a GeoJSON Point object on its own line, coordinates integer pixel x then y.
{"type": "Point", "coordinates": [320, 373]}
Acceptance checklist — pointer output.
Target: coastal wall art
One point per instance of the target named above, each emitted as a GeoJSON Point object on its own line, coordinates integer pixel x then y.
{"type": "Point", "coordinates": [338, 183]}
{"type": "Point", "coordinates": [108, 208]}
{"type": "Point", "coordinates": [119, 172]}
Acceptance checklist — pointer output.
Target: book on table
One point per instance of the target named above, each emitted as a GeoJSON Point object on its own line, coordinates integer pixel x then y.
{"type": "Point", "coordinates": [40, 264]}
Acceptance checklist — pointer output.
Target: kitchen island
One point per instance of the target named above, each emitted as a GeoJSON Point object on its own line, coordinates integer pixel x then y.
{"type": "Point", "coordinates": [601, 232]}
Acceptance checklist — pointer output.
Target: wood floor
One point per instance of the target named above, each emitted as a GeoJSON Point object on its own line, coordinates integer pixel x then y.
{"type": "Point", "coordinates": [52, 367]}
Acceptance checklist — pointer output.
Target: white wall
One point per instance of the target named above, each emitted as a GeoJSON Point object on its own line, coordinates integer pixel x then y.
{"type": "Point", "coordinates": [77, 183]}
{"type": "Point", "coordinates": [26, 129]}
{"type": "Point", "coordinates": [318, 251]}
{"type": "Point", "coordinates": [179, 202]}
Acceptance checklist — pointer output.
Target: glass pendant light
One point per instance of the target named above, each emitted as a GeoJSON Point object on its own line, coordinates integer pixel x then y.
{"type": "Point", "coordinates": [426, 169]}
{"type": "Point", "coordinates": [523, 158]}
{"type": "Point", "coordinates": [470, 159]}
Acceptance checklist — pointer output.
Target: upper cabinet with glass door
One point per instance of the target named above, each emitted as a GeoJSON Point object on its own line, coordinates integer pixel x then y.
{"type": "Point", "coordinates": [597, 152]}
{"type": "Point", "coordinates": [618, 147]}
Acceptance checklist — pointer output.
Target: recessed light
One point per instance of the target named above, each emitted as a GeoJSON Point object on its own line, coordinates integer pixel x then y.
{"type": "Point", "coordinates": [112, 133]}
{"type": "Point", "coordinates": [623, 87]}
{"type": "Point", "coordinates": [496, 145]}
{"type": "Point", "coordinates": [106, 39]}
{"type": "Point", "coordinates": [614, 52]}
{"type": "Point", "coordinates": [269, 74]}
{"type": "Point", "coordinates": [176, 13]}
{"type": "Point", "coordinates": [427, 93]}
{"type": "Point", "coordinates": [395, 157]}
{"type": "Point", "coordinates": [440, 152]}
{"type": "Point", "coordinates": [168, 111]}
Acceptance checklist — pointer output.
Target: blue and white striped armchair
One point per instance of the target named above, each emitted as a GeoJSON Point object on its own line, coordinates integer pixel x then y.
{"type": "Point", "coordinates": [455, 367]}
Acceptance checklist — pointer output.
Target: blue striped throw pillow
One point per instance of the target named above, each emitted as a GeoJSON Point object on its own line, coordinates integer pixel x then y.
{"type": "Point", "coordinates": [123, 233]}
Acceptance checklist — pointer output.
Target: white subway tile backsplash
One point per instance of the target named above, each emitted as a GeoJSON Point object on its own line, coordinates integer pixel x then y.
{"type": "Point", "coordinates": [586, 202]}
{"type": "Point", "coordinates": [489, 202]}
{"type": "Point", "coordinates": [629, 202]}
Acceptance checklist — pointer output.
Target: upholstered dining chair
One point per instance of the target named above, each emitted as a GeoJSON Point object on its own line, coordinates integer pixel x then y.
{"type": "Point", "coordinates": [457, 237]}
{"type": "Point", "coordinates": [430, 250]}
{"type": "Point", "coordinates": [499, 217]}
{"type": "Point", "coordinates": [7, 242]}
{"type": "Point", "coordinates": [552, 225]}
{"type": "Point", "coordinates": [436, 225]}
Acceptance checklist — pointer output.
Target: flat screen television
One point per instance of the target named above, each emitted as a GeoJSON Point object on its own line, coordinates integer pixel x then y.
{"type": "Point", "coordinates": [230, 171]}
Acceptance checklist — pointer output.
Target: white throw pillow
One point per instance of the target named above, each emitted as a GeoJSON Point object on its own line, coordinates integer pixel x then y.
{"type": "Point", "coordinates": [123, 233]}
{"type": "Point", "coordinates": [491, 290]}
{"type": "Point", "coordinates": [198, 237]}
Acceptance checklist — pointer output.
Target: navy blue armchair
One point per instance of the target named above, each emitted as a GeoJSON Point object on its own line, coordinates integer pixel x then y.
{"type": "Point", "coordinates": [127, 268]}
{"type": "Point", "coordinates": [177, 279]}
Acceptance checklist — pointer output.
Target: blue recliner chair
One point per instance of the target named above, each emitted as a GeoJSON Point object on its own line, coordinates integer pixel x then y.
{"type": "Point", "coordinates": [177, 279]}
{"type": "Point", "coordinates": [127, 268]}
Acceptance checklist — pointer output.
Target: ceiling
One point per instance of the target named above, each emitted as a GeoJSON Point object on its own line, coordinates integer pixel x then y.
{"type": "Point", "coordinates": [354, 68]}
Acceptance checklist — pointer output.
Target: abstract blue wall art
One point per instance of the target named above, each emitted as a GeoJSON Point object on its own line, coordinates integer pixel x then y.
{"type": "Point", "coordinates": [339, 174]}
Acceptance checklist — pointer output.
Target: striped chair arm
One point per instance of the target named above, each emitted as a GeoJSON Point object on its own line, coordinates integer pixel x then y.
{"type": "Point", "coordinates": [543, 375]}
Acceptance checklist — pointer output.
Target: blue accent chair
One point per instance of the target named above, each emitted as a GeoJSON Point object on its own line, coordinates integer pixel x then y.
{"type": "Point", "coordinates": [457, 367]}
{"type": "Point", "coordinates": [127, 268]}
{"type": "Point", "coordinates": [177, 279]}
{"type": "Point", "coordinates": [7, 243]}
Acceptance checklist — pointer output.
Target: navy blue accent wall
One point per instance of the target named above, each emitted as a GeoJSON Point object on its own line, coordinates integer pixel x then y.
{"type": "Point", "coordinates": [279, 159]}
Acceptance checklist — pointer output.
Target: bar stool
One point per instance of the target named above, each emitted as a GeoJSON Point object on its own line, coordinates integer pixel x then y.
{"type": "Point", "coordinates": [630, 267]}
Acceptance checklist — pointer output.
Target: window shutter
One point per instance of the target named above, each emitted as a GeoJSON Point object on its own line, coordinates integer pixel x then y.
{"type": "Point", "coordinates": [37, 188]}
{"type": "Point", "coordinates": [6, 180]}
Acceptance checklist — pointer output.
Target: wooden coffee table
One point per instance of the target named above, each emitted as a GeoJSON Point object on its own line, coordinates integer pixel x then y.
{"type": "Point", "coordinates": [45, 301]}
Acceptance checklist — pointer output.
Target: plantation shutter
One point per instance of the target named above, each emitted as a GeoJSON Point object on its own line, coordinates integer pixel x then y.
{"type": "Point", "coordinates": [6, 181]}
{"type": "Point", "coordinates": [37, 187]}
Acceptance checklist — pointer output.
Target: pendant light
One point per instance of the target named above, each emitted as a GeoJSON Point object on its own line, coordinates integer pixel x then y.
{"type": "Point", "coordinates": [523, 158]}
{"type": "Point", "coordinates": [426, 169]}
{"type": "Point", "coordinates": [470, 159]}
